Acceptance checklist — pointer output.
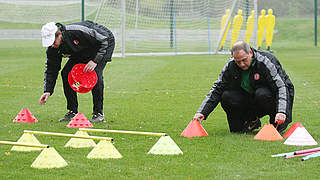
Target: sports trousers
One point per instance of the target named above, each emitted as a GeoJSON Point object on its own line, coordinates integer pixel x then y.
{"type": "Point", "coordinates": [97, 91]}
{"type": "Point", "coordinates": [242, 107]}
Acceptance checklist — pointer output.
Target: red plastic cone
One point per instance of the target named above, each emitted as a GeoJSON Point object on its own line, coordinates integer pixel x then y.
{"type": "Point", "coordinates": [25, 116]}
{"type": "Point", "coordinates": [291, 129]}
{"type": "Point", "coordinates": [79, 121]}
{"type": "Point", "coordinates": [194, 129]}
{"type": "Point", "coordinates": [268, 133]}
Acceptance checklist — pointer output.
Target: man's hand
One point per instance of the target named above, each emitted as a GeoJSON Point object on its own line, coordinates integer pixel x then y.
{"type": "Point", "coordinates": [198, 116]}
{"type": "Point", "coordinates": [280, 118]}
{"type": "Point", "coordinates": [44, 97]}
{"type": "Point", "coordinates": [89, 66]}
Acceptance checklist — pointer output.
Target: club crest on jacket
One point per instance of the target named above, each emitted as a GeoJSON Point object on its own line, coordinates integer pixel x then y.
{"type": "Point", "coordinates": [76, 42]}
{"type": "Point", "coordinates": [256, 76]}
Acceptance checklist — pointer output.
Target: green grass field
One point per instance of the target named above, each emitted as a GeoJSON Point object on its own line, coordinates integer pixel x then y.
{"type": "Point", "coordinates": [156, 94]}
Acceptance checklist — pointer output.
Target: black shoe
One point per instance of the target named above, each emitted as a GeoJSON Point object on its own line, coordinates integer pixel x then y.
{"type": "Point", "coordinates": [68, 116]}
{"type": "Point", "coordinates": [255, 124]}
{"type": "Point", "coordinates": [280, 128]}
{"type": "Point", "coordinates": [97, 117]}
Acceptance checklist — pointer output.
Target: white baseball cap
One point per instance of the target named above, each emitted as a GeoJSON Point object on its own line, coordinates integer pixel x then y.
{"type": "Point", "coordinates": [48, 32]}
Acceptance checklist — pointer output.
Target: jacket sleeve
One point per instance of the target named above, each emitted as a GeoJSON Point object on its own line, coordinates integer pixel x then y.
{"type": "Point", "coordinates": [52, 68]}
{"type": "Point", "coordinates": [277, 79]}
{"type": "Point", "coordinates": [213, 98]}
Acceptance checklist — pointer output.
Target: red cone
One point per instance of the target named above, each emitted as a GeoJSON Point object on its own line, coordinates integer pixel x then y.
{"type": "Point", "coordinates": [291, 129]}
{"type": "Point", "coordinates": [25, 116]}
{"type": "Point", "coordinates": [194, 129]}
{"type": "Point", "coordinates": [79, 121]}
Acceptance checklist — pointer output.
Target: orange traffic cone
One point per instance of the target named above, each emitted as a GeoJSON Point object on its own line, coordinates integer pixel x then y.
{"type": "Point", "coordinates": [268, 133]}
{"type": "Point", "coordinates": [25, 116]}
{"type": "Point", "coordinates": [194, 129]}
{"type": "Point", "coordinates": [79, 121]}
{"type": "Point", "coordinates": [291, 129]}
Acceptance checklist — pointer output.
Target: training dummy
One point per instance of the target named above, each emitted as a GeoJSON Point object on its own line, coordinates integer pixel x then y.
{"type": "Point", "coordinates": [249, 28]}
{"type": "Point", "coordinates": [270, 22]}
{"type": "Point", "coordinates": [236, 27]}
{"type": "Point", "coordinates": [223, 24]}
{"type": "Point", "coordinates": [261, 27]}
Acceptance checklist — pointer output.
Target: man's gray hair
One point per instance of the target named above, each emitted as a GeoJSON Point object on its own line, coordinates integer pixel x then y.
{"type": "Point", "coordinates": [240, 45]}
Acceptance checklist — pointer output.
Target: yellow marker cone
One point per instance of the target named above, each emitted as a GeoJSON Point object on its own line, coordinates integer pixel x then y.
{"type": "Point", "coordinates": [104, 150]}
{"type": "Point", "coordinates": [27, 138]}
{"type": "Point", "coordinates": [80, 143]}
{"type": "Point", "coordinates": [49, 158]}
{"type": "Point", "coordinates": [165, 145]}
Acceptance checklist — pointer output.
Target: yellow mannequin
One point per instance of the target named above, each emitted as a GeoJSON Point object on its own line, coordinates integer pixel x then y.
{"type": "Point", "coordinates": [270, 22]}
{"type": "Point", "coordinates": [223, 23]}
{"type": "Point", "coordinates": [250, 26]}
{"type": "Point", "coordinates": [236, 26]}
{"type": "Point", "coordinates": [261, 27]}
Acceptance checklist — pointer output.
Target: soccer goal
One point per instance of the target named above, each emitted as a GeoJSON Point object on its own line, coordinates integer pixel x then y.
{"type": "Point", "coordinates": [173, 27]}
{"type": "Point", "coordinates": [141, 27]}
{"type": "Point", "coordinates": [43, 11]}
{"type": "Point", "coordinates": [22, 19]}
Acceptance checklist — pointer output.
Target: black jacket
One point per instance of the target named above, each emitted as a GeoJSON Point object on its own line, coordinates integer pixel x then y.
{"type": "Point", "coordinates": [83, 41]}
{"type": "Point", "coordinates": [266, 72]}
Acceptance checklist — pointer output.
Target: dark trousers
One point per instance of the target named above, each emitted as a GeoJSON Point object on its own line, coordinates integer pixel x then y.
{"type": "Point", "coordinates": [242, 107]}
{"type": "Point", "coordinates": [97, 91]}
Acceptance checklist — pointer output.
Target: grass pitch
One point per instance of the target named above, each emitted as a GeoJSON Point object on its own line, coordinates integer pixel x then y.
{"type": "Point", "coordinates": [155, 94]}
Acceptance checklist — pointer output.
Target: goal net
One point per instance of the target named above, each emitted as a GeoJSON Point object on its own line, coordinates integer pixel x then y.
{"type": "Point", "coordinates": [22, 19]}
{"type": "Point", "coordinates": [141, 27]}
{"type": "Point", "coordinates": [43, 11]}
{"type": "Point", "coordinates": [171, 27]}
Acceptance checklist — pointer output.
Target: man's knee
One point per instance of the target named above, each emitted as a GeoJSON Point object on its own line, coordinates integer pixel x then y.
{"type": "Point", "coordinates": [263, 95]}
{"type": "Point", "coordinates": [233, 99]}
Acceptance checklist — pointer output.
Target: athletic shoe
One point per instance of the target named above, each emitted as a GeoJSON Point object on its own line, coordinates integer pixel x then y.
{"type": "Point", "coordinates": [280, 128]}
{"type": "Point", "coordinates": [250, 126]}
{"type": "Point", "coordinates": [69, 115]}
{"type": "Point", "coordinates": [97, 117]}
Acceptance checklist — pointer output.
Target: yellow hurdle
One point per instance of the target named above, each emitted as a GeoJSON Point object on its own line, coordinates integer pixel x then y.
{"type": "Point", "coordinates": [123, 132]}
{"type": "Point", "coordinates": [68, 135]}
{"type": "Point", "coordinates": [24, 144]}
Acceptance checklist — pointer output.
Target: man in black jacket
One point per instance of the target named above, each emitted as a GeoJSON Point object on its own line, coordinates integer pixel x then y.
{"type": "Point", "coordinates": [251, 85]}
{"type": "Point", "coordinates": [84, 42]}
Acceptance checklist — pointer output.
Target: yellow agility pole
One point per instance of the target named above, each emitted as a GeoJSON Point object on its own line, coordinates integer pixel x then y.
{"type": "Point", "coordinates": [165, 145]}
{"type": "Point", "coordinates": [24, 144]}
{"type": "Point", "coordinates": [48, 158]}
{"type": "Point", "coordinates": [68, 135]}
{"type": "Point", "coordinates": [123, 132]}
